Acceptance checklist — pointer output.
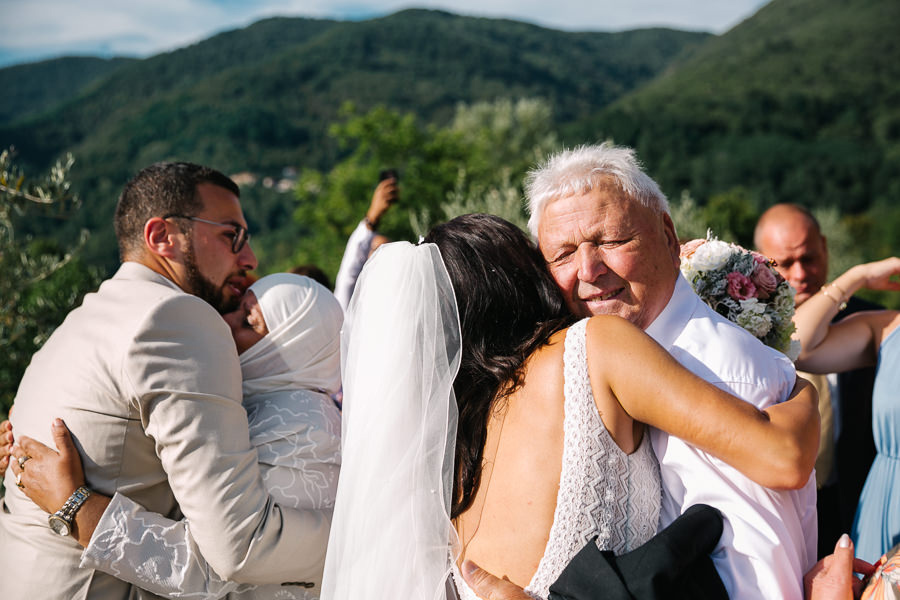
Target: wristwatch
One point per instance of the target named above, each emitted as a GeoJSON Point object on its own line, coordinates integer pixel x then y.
{"type": "Point", "coordinates": [61, 521]}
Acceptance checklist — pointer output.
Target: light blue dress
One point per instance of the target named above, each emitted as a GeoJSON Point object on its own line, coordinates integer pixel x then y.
{"type": "Point", "coordinates": [877, 525]}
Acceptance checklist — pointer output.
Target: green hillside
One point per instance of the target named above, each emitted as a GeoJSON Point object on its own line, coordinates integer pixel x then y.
{"type": "Point", "coordinates": [262, 98]}
{"type": "Point", "coordinates": [799, 103]}
{"type": "Point", "coordinates": [34, 88]}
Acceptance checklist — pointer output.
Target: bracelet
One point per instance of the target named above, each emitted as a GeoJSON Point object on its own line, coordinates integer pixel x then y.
{"type": "Point", "coordinates": [842, 304]}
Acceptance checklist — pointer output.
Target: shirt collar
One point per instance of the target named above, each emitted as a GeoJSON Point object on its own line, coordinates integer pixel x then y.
{"type": "Point", "coordinates": [132, 270]}
{"type": "Point", "coordinates": [666, 327]}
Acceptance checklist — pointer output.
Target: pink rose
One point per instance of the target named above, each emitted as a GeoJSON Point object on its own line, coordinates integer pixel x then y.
{"type": "Point", "coordinates": [765, 280]}
{"type": "Point", "coordinates": [688, 248]}
{"type": "Point", "coordinates": [759, 258]}
{"type": "Point", "coordinates": [740, 287]}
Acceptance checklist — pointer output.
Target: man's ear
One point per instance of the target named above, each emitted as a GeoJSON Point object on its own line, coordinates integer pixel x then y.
{"type": "Point", "coordinates": [159, 238]}
{"type": "Point", "coordinates": [672, 239]}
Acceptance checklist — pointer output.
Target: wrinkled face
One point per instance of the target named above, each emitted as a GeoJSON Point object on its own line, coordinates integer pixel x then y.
{"type": "Point", "coordinates": [800, 254]}
{"type": "Point", "coordinates": [212, 271]}
{"type": "Point", "coordinates": [246, 322]}
{"type": "Point", "coordinates": [610, 255]}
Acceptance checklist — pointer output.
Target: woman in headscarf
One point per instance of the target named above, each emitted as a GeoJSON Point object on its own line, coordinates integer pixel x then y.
{"type": "Point", "coordinates": [287, 333]}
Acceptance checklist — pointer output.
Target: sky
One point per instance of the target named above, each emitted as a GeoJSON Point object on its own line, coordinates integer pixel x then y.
{"type": "Point", "coordinates": [32, 30]}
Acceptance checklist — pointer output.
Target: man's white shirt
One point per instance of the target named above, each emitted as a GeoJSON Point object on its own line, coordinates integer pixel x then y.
{"type": "Point", "coordinates": [769, 540]}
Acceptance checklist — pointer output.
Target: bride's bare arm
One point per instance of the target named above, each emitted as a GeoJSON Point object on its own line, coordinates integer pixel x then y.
{"type": "Point", "coordinates": [775, 447]}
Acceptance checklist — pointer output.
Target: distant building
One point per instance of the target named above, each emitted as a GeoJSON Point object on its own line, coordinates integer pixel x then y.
{"type": "Point", "coordinates": [285, 185]}
{"type": "Point", "coordinates": [244, 178]}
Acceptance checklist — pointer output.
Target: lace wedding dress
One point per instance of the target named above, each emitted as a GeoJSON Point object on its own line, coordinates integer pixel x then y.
{"type": "Point", "coordinates": [603, 492]}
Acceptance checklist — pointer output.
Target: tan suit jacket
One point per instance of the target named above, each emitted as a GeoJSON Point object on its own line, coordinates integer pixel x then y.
{"type": "Point", "coordinates": [147, 379]}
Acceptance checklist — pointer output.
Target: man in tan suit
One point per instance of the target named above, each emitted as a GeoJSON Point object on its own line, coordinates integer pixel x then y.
{"type": "Point", "coordinates": [146, 376]}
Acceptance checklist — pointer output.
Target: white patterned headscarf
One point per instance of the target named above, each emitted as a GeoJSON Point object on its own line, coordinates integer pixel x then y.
{"type": "Point", "coordinates": [303, 347]}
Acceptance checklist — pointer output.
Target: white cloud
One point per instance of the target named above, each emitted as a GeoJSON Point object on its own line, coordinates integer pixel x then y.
{"type": "Point", "coordinates": [40, 28]}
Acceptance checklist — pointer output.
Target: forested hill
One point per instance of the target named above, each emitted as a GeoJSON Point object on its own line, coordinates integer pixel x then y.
{"type": "Point", "coordinates": [32, 89]}
{"type": "Point", "coordinates": [801, 102]}
{"type": "Point", "coordinates": [261, 98]}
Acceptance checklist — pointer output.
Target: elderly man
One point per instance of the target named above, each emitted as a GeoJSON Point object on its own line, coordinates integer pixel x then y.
{"type": "Point", "coordinates": [603, 227]}
{"type": "Point", "coordinates": [146, 376]}
{"type": "Point", "coordinates": [790, 235]}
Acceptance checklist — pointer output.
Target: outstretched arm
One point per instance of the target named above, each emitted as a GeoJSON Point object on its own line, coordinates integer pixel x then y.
{"type": "Point", "coordinates": [853, 342]}
{"type": "Point", "coordinates": [775, 447]}
{"type": "Point", "coordinates": [360, 243]}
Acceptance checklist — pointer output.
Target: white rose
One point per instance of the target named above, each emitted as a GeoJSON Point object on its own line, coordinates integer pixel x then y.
{"type": "Point", "coordinates": [711, 256]}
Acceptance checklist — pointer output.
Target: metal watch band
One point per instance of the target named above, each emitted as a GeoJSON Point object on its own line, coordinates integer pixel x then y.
{"type": "Point", "coordinates": [71, 506]}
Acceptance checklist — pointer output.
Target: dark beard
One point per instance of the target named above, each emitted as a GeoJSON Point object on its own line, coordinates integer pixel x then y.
{"type": "Point", "coordinates": [205, 289]}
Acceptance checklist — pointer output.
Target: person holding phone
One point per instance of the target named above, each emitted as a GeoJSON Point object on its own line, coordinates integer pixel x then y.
{"type": "Point", "coordinates": [365, 239]}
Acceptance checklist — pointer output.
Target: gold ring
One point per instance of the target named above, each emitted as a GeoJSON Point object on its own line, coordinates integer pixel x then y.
{"type": "Point", "coordinates": [23, 460]}
{"type": "Point", "coordinates": [19, 481]}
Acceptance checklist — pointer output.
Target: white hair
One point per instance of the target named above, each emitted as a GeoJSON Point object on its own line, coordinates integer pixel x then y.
{"type": "Point", "coordinates": [580, 170]}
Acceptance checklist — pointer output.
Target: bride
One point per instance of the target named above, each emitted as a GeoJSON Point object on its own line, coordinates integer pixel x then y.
{"type": "Point", "coordinates": [478, 417]}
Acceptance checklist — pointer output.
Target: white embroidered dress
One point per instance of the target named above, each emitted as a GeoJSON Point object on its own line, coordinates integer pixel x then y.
{"type": "Point", "coordinates": [603, 492]}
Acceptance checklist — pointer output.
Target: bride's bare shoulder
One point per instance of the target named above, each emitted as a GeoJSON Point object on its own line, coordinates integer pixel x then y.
{"type": "Point", "coordinates": [544, 368]}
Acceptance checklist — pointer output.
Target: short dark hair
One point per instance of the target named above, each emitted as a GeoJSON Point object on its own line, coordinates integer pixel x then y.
{"type": "Point", "coordinates": [314, 273]}
{"type": "Point", "coordinates": [509, 306]}
{"type": "Point", "coordinates": [160, 189]}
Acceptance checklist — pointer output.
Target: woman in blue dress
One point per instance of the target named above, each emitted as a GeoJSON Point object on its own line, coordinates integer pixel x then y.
{"type": "Point", "coordinates": [861, 340]}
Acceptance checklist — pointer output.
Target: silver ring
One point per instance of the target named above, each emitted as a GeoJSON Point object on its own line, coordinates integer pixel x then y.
{"type": "Point", "coordinates": [19, 481]}
{"type": "Point", "coordinates": [23, 460]}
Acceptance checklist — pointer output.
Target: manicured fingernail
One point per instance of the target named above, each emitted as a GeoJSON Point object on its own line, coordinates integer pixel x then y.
{"type": "Point", "coordinates": [57, 422]}
{"type": "Point", "coordinates": [844, 542]}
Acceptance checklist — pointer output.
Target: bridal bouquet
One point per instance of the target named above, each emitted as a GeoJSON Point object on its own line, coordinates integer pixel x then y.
{"type": "Point", "coordinates": [745, 288]}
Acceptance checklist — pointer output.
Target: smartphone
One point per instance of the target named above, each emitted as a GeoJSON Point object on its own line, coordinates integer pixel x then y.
{"type": "Point", "coordinates": [388, 174]}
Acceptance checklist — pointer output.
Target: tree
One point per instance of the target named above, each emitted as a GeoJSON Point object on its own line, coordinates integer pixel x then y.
{"type": "Point", "coordinates": [475, 164]}
{"type": "Point", "coordinates": [40, 281]}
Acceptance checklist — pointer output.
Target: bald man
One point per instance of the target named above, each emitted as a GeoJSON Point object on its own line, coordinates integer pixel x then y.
{"type": "Point", "coordinates": [790, 235]}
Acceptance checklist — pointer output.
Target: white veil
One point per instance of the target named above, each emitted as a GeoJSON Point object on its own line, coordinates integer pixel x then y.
{"type": "Point", "coordinates": [400, 351]}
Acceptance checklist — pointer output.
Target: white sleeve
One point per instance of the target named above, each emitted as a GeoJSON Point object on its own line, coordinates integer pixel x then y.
{"type": "Point", "coordinates": [152, 552]}
{"type": "Point", "coordinates": [355, 255]}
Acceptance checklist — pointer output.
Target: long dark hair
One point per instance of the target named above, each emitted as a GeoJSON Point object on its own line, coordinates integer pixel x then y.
{"type": "Point", "coordinates": [508, 307]}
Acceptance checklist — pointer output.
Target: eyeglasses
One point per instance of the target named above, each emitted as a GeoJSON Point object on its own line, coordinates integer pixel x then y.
{"type": "Point", "coordinates": [241, 235]}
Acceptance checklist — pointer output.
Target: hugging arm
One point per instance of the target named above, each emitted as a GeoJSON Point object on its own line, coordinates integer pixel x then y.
{"type": "Point", "coordinates": [775, 447]}
{"type": "Point", "coordinates": [119, 535]}
{"type": "Point", "coordinates": [50, 477]}
{"type": "Point", "coordinates": [6, 442]}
